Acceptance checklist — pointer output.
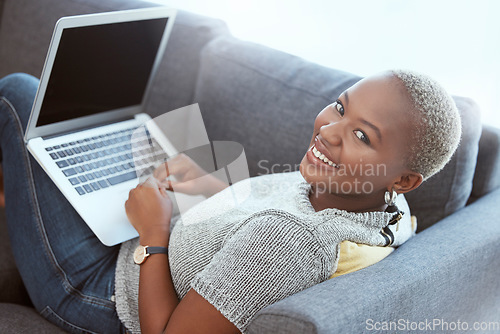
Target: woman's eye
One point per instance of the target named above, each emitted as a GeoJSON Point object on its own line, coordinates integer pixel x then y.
{"type": "Point", "coordinates": [361, 135]}
{"type": "Point", "coordinates": [339, 107]}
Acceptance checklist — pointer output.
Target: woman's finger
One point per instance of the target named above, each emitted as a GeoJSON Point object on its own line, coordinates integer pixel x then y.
{"type": "Point", "coordinates": [170, 167]}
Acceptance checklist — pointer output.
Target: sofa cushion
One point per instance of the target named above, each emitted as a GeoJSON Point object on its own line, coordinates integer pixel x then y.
{"type": "Point", "coordinates": [175, 82]}
{"type": "Point", "coordinates": [487, 174]}
{"type": "Point", "coordinates": [267, 101]}
{"type": "Point", "coordinates": [264, 99]}
{"type": "Point", "coordinates": [12, 289]}
{"type": "Point", "coordinates": [449, 190]}
{"type": "Point", "coordinates": [21, 319]}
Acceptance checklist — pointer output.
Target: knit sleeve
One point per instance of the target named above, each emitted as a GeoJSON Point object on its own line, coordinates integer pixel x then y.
{"type": "Point", "coordinates": [267, 259]}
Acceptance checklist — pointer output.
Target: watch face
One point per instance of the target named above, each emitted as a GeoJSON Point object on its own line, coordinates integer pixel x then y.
{"type": "Point", "coordinates": [140, 254]}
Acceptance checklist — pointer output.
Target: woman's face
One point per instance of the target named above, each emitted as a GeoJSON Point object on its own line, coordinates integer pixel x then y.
{"type": "Point", "coordinates": [359, 142]}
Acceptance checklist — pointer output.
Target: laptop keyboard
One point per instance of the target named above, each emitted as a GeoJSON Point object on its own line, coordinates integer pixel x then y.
{"type": "Point", "coordinates": [98, 162]}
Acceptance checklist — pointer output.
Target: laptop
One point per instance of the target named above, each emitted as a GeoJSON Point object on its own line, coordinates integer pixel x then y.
{"type": "Point", "coordinates": [89, 105]}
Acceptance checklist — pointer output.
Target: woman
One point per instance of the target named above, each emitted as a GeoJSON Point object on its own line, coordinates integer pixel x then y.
{"type": "Point", "coordinates": [221, 271]}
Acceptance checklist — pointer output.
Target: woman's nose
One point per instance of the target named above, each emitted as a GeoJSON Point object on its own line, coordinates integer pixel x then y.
{"type": "Point", "coordinates": [331, 133]}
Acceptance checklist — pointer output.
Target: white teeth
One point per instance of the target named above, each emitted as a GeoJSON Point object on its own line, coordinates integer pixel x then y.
{"type": "Point", "coordinates": [322, 157]}
{"type": "Point", "coordinates": [316, 152]}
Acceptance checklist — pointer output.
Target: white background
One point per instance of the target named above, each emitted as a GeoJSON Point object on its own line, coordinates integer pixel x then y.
{"type": "Point", "coordinates": [455, 41]}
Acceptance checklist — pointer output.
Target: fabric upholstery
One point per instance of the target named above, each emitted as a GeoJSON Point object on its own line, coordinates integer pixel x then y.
{"type": "Point", "coordinates": [455, 279]}
{"type": "Point", "coordinates": [175, 82]}
{"type": "Point", "coordinates": [487, 174]}
{"type": "Point", "coordinates": [11, 286]}
{"type": "Point", "coordinates": [1, 7]}
{"type": "Point", "coordinates": [449, 190]}
{"type": "Point", "coordinates": [18, 319]}
{"type": "Point", "coordinates": [278, 96]}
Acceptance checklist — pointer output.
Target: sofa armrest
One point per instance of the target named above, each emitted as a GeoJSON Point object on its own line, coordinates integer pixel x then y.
{"type": "Point", "coordinates": [448, 272]}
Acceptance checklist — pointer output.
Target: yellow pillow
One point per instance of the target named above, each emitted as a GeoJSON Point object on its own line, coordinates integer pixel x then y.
{"type": "Point", "coordinates": [353, 256]}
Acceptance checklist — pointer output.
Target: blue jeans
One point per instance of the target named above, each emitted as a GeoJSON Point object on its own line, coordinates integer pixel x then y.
{"type": "Point", "coordinates": [68, 273]}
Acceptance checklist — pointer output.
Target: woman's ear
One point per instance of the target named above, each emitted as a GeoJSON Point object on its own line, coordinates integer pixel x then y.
{"type": "Point", "coordinates": [408, 182]}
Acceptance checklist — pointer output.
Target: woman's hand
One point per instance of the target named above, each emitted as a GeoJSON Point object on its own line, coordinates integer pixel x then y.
{"type": "Point", "coordinates": [190, 178]}
{"type": "Point", "coordinates": [149, 209]}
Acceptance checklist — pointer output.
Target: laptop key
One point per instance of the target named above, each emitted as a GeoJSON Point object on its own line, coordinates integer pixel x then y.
{"type": "Point", "coordinates": [69, 172]}
{"type": "Point", "coordinates": [54, 156]}
{"type": "Point", "coordinates": [103, 183]}
{"type": "Point", "coordinates": [87, 188]}
{"type": "Point", "coordinates": [72, 161]}
{"type": "Point", "coordinates": [82, 178]}
{"type": "Point", "coordinates": [74, 181]}
{"type": "Point", "coordinates": [61, 154]}
{"type": "Point", "coordinates": [62, 163]}
{"type": "Point", "coordinates": [49, 149]}
{"type": "Point", "coordinates": [80, 190]}
{"type": "Point", "coordinates": [95, 186]}
{"type": "Point", "coordinates": [121, 178]}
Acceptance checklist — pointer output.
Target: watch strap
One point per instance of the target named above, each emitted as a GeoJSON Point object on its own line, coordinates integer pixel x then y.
{"type": "Point", "coordinates": [156, 250]}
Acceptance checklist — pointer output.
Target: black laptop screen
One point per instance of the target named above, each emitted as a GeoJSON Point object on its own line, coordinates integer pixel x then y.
{"type": "Point", "coordinates": [101, 68]}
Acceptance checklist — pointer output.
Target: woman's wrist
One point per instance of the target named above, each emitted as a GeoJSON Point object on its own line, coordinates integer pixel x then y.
{"type": "Point", "coordinates": [214, 186]}
{"type": "Point", "coordinates": [155, 239]}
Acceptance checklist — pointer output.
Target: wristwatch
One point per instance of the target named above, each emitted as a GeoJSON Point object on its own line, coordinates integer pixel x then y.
{"type": "Point", "coordinates": [142, 252]}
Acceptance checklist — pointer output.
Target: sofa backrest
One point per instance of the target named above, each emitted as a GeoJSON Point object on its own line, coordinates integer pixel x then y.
{"type": "Point", "coordinates": [267, 101]}
{"type": "Point", "coordinates": [26, 28]}
{"type": "Point", "coordinates": [251, 94]}
{"type": "Point", "coordinates": [487, 173]}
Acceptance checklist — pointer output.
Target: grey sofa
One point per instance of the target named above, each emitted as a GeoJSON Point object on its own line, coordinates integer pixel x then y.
{"type": "Point", "coordinates": [267, 100]}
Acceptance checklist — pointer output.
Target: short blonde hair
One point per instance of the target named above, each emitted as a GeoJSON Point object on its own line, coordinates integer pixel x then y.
{"type": "Point", "coordinates": [436, 121]}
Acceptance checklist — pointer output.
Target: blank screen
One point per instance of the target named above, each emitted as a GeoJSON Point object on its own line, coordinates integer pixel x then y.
{"type": "Point", "coordinates": [101, 68]}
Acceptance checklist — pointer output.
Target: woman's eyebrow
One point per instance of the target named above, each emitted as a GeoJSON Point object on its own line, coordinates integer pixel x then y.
{"type": "Point", "coordinates": [377, 131]}
{"type": "Point", "coordinates": [346, 97]}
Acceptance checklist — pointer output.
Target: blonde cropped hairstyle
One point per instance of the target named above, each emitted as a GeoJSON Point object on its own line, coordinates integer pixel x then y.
{"type": "Point", "coordinates": [436, 123]}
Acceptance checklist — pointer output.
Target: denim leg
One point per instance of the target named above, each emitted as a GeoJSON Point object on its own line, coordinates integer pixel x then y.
{"type": "Point", "coordinates": [68, 273]}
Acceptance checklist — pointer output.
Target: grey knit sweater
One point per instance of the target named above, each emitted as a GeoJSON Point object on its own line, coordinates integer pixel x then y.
{"type": "Point", "coordinates": [242, 258]}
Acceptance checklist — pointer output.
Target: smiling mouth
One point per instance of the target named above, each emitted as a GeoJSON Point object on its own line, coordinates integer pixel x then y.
{"type": "Point", "coordinates": [321, 157]}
